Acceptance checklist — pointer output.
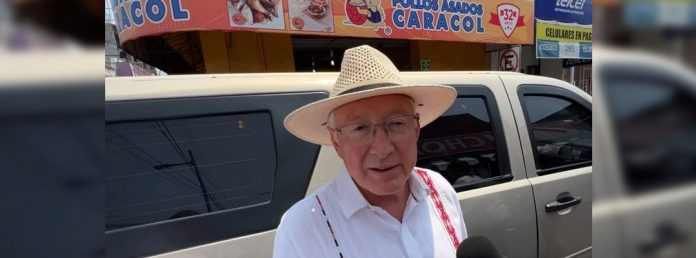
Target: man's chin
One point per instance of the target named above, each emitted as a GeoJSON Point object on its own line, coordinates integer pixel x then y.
{"type": "Point", "coordinates": [389, 192]}
{"type": "Point", "coordinates": [390, 187]}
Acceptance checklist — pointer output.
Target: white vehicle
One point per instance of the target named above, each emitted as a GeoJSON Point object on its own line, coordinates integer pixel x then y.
{"type": "Point", "coordinates": [201, 165]}
{"type": "Point", "coordinates": [644, 185]}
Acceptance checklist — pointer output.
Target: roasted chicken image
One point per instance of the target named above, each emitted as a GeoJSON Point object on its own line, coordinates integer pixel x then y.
{"type": "Point", "coordinates": [258, 11]}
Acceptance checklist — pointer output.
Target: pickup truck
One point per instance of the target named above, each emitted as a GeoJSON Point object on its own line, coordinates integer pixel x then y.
{"type": "Point", "coordinates": [201, 165]}
{"type": "Point", "coordinates": [645, 185]}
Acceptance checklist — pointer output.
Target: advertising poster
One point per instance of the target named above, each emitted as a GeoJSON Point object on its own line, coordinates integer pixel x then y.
{"type": "Point", "coordinates": [311, 15]}
{"type": "Point", "coordinates": [500, 21]}
{"type": "Point", "coordinates": [262, 14]}
{"type": "Point", "coordinates": [564, 29]}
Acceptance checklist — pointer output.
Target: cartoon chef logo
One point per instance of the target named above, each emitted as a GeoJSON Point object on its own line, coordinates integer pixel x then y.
{"type": "Point", "coordinates": [365, 13]}
{"type": "Point", "coordinates": [508, 18]}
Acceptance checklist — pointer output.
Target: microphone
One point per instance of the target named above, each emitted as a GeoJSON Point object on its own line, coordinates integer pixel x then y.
{"type": "Point", "coordinates": [477, 247]}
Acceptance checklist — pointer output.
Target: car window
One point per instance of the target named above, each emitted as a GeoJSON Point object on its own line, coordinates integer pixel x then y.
{"type": "Point", "coordinates": [462, 144]}
{"type": "Point", "coordinates": [561, 131]}
{"type": "Point", "coordinates": [160, 170]}
{"type": "Point", "coordinates": [643, 105]}
{"type": "Point", "coordinates": [194, 171]}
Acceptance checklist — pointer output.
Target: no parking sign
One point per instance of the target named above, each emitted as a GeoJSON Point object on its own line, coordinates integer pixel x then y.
{"type": "Point", "coordinates": [509, 59]}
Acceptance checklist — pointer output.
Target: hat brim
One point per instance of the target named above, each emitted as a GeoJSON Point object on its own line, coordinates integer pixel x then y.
{"type": "Point", "coordinates": [307, 122]}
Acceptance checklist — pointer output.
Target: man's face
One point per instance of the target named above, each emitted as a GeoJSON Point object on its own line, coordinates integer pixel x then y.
{"type": "Point", "coordinates": [383, 165]}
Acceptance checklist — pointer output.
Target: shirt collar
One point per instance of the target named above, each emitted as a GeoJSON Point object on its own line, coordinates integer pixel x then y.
{"type": "Point", "coordinates": [351, 200]}
{"type": "Point", "coordinates": [349, 197]}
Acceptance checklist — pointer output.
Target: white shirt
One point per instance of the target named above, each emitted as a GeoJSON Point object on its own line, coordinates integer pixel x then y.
{"type": "Point", "coordinates": [363, 230]}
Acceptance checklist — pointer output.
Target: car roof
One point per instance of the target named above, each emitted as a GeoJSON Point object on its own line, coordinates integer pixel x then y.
{"type": "Point", "coordinates": [177, 86]}
{"type": "Point", "coordinates": [50, 67]}
{"type": "Point", "coordinates": [627, 59]}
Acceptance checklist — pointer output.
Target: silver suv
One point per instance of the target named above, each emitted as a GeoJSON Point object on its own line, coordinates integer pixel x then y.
{"type": "Point", "coordinates": [201, 165]}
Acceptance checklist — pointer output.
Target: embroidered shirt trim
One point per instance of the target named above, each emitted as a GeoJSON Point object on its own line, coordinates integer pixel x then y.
{"type": "Point", "coordinates": [435, 196]}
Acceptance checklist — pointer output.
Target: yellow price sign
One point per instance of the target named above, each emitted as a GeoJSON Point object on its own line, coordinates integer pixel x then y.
{"type": "Point", "coordinates": [563, 33]}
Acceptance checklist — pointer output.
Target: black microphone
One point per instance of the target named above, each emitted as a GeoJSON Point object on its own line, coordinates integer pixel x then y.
{"type": "Point", "coordinates": [477, 247]}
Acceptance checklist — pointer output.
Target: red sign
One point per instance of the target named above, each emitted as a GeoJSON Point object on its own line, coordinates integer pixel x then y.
{"type": "Point", "coordinates": [448, 20]}
{"type": "Point", "coordinates": [508, 18]}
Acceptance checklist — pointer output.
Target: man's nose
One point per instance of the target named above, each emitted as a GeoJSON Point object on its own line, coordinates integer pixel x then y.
{"type": "Point", "coordinates": [381, 145]}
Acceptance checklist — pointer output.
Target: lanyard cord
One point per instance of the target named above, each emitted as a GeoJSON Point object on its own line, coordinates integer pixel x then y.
{"type": "Point", "coordinates": [330, 228]}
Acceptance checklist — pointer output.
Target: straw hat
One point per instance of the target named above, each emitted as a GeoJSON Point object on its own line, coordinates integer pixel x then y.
{"type": "Point", "coordinates": [366, 72]}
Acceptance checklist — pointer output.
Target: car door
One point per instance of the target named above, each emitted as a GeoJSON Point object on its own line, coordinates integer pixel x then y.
{"type": "Point", "coordinates": [648, 109]}
{"type": "Point", "coordinates": [202, 172]}
{"type": "Point", "coordinates": [555, 127]}
{"type": "Point", "coordinates": [475, 146]}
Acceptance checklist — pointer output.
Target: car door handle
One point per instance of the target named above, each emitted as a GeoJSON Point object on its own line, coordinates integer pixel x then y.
{"type": "Point", "coordinates": [563, 201]}
{"type": "Point", "coordinates": [666, 235]}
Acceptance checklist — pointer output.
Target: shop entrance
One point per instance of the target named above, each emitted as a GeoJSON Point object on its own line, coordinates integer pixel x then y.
{"type": "Point", "coordinates": [322, 54]}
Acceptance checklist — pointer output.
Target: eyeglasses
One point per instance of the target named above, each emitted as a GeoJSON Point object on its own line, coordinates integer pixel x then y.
{"type": "Point", "coordinates": [362, 133]}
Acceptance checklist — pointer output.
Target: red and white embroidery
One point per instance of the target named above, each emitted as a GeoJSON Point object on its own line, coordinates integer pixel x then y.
{"type": "Point", "coordinates": [435, 196]}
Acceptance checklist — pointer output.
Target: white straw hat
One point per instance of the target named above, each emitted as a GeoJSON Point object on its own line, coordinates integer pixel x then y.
{"type": "Point", "coordinates": [366, 72]}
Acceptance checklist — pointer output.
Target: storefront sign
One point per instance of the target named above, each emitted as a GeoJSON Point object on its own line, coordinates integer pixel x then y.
{"type": "Point", "coordinates": [564, 29]}
{"type": "Point", "coordinates": [561, 41]}
{"type": "Point", "coordinates": [675, 15]}
{"type": "Point", "coordinates": [450, 20]}
{"type": "Point", "coordinates": [565, 11]}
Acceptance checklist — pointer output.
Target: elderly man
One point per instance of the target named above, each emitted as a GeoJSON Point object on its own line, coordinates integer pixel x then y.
{"type": "Point", "coordinates": [380, 205]}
